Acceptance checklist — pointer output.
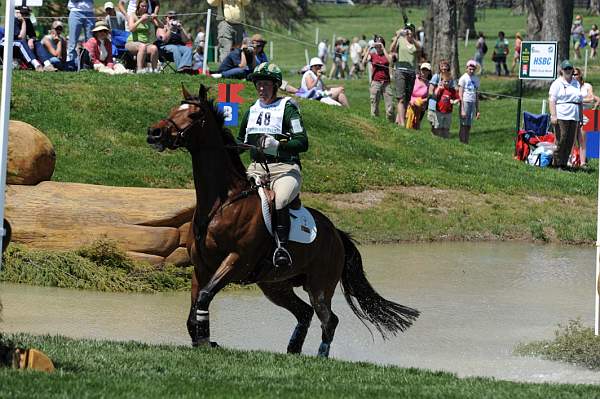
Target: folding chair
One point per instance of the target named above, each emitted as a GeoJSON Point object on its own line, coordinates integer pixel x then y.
{"type": "Point", "coordinates": [165, 58]}
{"type": "Point", "coordinates": [119, 52]}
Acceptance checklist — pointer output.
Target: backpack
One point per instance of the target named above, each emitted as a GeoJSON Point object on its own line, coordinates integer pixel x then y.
{"type": "Point", "coordinates": [484, 48]}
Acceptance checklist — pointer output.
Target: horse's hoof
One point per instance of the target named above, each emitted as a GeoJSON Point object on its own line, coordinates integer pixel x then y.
{"type": "Point", "coordinates": [205, 342]}
{"type": "Point", "coordinates": [214, 345]}
{"type": "Point", "coordinates": [324, 350]}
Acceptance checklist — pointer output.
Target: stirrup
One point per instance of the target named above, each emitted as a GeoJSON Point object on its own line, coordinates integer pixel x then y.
{"type": "Point", "coordinates": [281, 253]}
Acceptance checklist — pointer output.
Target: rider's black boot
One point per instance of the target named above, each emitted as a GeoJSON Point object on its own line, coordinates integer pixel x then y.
{"type": "Point", "coordinates": [281, 257]}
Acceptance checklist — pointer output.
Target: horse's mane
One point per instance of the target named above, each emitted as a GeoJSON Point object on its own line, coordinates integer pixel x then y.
{"type": "Point", "coordinates": [228, 139]}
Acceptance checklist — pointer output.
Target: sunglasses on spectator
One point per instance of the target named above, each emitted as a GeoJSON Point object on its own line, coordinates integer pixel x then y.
{"type": "Point", "coordinates": [575, 74]}
{"type": "Point", "coordinates": [568, 69]}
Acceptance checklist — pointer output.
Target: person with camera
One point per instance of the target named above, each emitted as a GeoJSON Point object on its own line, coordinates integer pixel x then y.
{"type": "Point", "coordinates": [404, 50]}
{"type": "Point", "coordinates": [138, 43]}
{"type": "Point", "coordinates": [380, 78]}
{"type": "Point", "coordinates": [172, 37]}
{"type": "Point", "coordinates": [20, 40]}
{"type": "Point", "coordinates": [239, 63]}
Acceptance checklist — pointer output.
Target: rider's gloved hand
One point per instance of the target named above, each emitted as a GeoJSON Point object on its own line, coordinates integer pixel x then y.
{"type": "Point", "coordinates": [269, 143]}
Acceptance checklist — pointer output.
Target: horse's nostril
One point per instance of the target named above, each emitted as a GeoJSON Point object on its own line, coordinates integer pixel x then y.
{"type": "Point", "coordinates": [154, 132]}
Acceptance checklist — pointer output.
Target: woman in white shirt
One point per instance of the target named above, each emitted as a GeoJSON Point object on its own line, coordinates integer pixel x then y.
{"type": "Point", "coordinates": [590, 101]}
{"type": "Point", "coordinates": [566, 112]}
{"type": "Point", "coordinates": [312, 80]}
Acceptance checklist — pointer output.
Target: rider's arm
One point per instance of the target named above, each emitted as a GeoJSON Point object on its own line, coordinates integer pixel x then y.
{"type": "Point", "coordinates": [292, 123]}
{"type": "Point", "coordinates": [242, 133]}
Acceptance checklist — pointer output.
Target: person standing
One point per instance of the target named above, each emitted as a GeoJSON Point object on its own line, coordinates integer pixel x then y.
{"type": "Point", "coordinates": [274, 124]}
{"type": "Point", "coordinates": [500, 53]}
{"type": "Point", "coordinates": [577, 35]}
{"type": "Point", "coordinates": [404, 51]}
{"type": "Point", "coordinates": [517, 53]}
{"type": "Point", "coordinates": [468, 91]}
{"type": "Point", "coordinates": [230, 30]}
{"type": "Point", "coordinates": [322, 51]}
{"type": "Point", "coordinates": [481, 49]}
{"type": "Point", "coordinates": [566, 112]}
{"type": "Point", "coordinates": [594, 32]}
{"type": "Point", "coordinates": [81, 17]}
{"type": "Point", "coordinates": [590, 101]}
{"type": "Point", "coordinates": [115, 19]}
{"type": "Point", "coordinates": [380, 79]}
{"type": "Point", "coordinates": [434, 82]}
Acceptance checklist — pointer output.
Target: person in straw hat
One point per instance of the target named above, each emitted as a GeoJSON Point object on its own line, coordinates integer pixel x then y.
{"type": "Point", "coordinates": [99, 48]}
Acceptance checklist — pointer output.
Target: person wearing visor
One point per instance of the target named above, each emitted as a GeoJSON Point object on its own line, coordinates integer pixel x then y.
{"type": "Point", "coordinates": [115, 19]}
{"type": "Point", "coordinates": [274, 125]}
{"type": "Point", "coordinates": [566, 112]}
{"type": "Point", "coordinates": [259, 48]}
{"type": "Point", "coordinates": [54, 47]}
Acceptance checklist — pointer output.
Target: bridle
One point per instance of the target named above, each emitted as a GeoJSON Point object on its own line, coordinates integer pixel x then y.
{"type": "Point", "coordinates": [181, 132]}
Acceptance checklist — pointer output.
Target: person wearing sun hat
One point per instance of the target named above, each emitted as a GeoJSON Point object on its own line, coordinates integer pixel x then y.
{"type": "Point", "coordinates": [566, 112]}
{"type": "Point", "coordinates": [468, 91]}
{"type": "Point", "coordinates": [99, 48]}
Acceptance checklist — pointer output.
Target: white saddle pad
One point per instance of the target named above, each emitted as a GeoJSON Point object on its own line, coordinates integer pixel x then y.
{"type": "Point", "coordinates": [303, 228]}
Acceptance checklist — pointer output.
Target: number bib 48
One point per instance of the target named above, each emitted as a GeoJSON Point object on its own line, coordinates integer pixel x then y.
{"type": "Point", "coordinates": [266, 119]}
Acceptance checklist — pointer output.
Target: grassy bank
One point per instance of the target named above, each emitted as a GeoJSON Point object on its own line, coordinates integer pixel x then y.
{"type": "Point", "coordinates": [106, 369]}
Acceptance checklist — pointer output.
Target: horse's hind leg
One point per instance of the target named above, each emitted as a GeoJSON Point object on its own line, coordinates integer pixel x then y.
{"type": "Point", "coordinates": [282, 294]}
{"type": "Point", "coordinates": [321, 302]}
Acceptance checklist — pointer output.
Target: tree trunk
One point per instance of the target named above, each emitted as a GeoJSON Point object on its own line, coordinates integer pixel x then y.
{"type": "Point", "coordinates": [556, 25]}
{"type": "Point", "coordinates": [535, 17]}
{"type": "Point", "coordinates": [441, 33]}
{"type": "Point", "coordinates": [467, 19]}
{"type": "Point", "coordinates": [594, 7]}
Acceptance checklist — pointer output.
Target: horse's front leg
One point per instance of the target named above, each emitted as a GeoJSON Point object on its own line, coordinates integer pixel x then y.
{"type": "Point", "coordinates": [220, 279]}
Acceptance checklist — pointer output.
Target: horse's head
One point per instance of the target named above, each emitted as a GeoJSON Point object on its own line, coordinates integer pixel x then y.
{"type": "Point", "coordinates": [177, 129]}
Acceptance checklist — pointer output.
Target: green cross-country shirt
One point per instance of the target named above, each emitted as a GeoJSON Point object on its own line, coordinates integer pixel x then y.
{"type": "Point", "coordinates": [291, 143]}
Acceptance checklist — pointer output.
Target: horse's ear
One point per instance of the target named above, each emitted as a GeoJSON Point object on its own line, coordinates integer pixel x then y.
{"type": "Point", "coordinates": [186, 94]}
{"type": "Point", "coordinates": [203, 92]}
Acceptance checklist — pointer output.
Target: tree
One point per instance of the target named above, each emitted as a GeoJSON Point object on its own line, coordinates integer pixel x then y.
{"type": "Point", "coordinates": [441, 33]}
{"type": "Point", "coordinates": [535, 17]}
{"type": "Point", "coordinates": [594, 7]}
{"type": "Point", "coordinates": [467, 19]}
{"type": "Point", "coordinates": [558, 15]}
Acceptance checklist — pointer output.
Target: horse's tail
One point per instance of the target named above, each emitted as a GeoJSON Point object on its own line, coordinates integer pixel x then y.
{"type": "Point", "coordinates": [388, 317]}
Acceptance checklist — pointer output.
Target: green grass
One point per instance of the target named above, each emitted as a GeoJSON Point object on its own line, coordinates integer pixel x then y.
{"type": "Point", "coordinates": [108, 369]}
{"type": "Point", "coordinates": [573, 343]}
{"type": "Point", "coordinates": [101, 266]}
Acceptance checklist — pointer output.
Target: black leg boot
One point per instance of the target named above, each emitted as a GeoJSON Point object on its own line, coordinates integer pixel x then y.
{"type": "Point", "coordinates": [281, 257]}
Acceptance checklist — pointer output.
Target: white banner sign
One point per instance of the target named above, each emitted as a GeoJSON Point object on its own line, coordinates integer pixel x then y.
{"type": "Point", "coordinates": [29, 3]}
{"type": "Point", "coordinates": [538, 60]}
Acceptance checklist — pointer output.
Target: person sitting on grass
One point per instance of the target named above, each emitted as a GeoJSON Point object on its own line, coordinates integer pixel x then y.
{"type": "Point", "coordinates": [312, 79]}
{"type": "Point", "coordinates": [445, 96]}
{"type": "Point", "coordinates": [239, 63]}
{"type": "Point", "coordinates": [55, 46]}
{"type": "Point", "coordinates": [99, 49]}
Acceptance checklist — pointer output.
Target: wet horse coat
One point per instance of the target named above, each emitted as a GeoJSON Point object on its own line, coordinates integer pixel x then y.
{"type": "Point", "coordinates": [229, 243]}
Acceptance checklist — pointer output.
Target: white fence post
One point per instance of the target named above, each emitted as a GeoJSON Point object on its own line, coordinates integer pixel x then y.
{"type": "Point", "coordinates": [206, 42]}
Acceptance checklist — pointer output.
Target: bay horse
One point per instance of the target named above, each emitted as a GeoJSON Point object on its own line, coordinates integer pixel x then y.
{"type": "Point", "coordinates": [228, 241]}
